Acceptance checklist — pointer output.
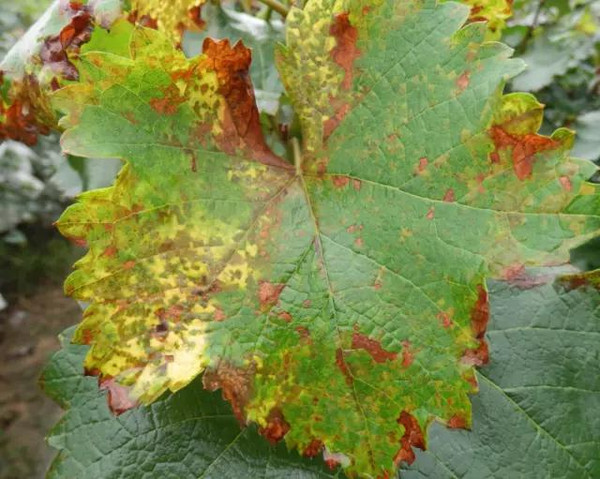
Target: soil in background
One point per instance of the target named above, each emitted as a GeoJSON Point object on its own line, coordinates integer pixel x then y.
{"type": "Point", "coordinates": [28, 337]}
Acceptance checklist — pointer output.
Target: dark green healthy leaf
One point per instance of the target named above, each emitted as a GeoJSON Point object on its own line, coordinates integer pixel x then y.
{"type": "Point", "coordinates": [189, 434]}
{"type": "Point", "coordinates": [341, 303]}
{"type": "Point", "coordinates": [537, 413]}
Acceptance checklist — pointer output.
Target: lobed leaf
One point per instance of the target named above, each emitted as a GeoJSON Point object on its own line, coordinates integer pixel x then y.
{"type": "Point", "coordinates": [340, 304]}
{"type": "Point", "coordinates": [45, 58]}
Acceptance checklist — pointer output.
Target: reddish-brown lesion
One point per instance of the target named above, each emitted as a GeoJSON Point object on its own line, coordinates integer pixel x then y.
{"type": "Point", "coordinates": [235, 384]}
{"type": "Point", "coordinates": [276, 428]}
{"type": "Point", "coordinates": [313, 449]}
{"type": "Point", "coordinates": [343, 54]}
{"type": "Point", "coordinates": [523, 148]}
{"type": "Point", "coordinates": [340, 362]}
{"type": "Point", "coordinates": [142, 20]}
{"type": "Point", "coordinates": [119, 396]}
{"type": "Point", "coordinates": [413, 437]}
{"type": "Point", "coordinates": [480, 315]}
{"type": "Point", "coordinates": [241, 123]}
{"type": "Point", "coordinates": [268, 293]}
{"type": "Point", "coordinates": [373, 347]}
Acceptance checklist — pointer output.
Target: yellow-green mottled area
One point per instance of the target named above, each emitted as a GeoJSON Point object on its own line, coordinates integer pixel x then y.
{"type": "Point", "coordinates": [172, 17]}
{"type": "Point", "coordinates": [333, 296]}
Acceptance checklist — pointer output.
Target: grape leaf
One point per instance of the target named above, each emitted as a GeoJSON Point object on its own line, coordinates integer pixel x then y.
{"type": "Point", "coordinates": [540, 332]}
{"type": "Point", "coordinates": [189, 434]}
{"type": "Point", "coordinates": [173, 17]}
{"type": "Point", "coordinates": [494, 12]}
{"type": "Point", "coordinates": [542, 387]}
{"type": "Point", "coordinates": [258, 35]}
{"type": "Point", "coordinates": [42, 61]}
{"type": "Point", "coordinates": [339, 303]}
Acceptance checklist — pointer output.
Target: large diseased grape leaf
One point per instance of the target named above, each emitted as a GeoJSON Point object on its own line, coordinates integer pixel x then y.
{"type": "Point", "coordinates": [340, 302]}
{"type": "Point", "coordinates": [541, 387]}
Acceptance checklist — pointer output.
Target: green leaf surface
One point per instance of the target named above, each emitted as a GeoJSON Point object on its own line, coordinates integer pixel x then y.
{"type": "Point", "coordinates": [537, 413]}
{"type": "Point", "coordinates": [339, 303]}
{"type": "Point", "coordinates": [535, 416]}
{"type": "Point", "coordinates": [190, 434]}
{"type": "Point", "coordinates": [588, 138]}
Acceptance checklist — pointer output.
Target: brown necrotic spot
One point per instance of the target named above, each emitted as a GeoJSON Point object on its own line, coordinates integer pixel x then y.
{"type": "Point", "coordinates": [195, 15]}
{"type": "Point", "coordinates": [344, 54]}
{"type": "Point", "coordinates": [304, 333]}
{"type": "Point", "coordinates": [119, 398]}
{"type": "Point", "coordinates": [457, 422]}
{"type": "Point", "coordinates": [430, 213]}
{"type": "Point", "coordinates": [313, 449]}
{"type": "Point", "coordinates": [413, 437]}
{"type": "Point", "coordinates": [143, 20]}
{"type": "Point", "coordinates": [340, 181]}
{"type": "Point", "coordinates": [523, 147]}
{"type": "Point", "coordinates": [340, 362]}
{"type": "Point", "coordinates": [407, 354]}
{"type": "Point", "coordinates": [268, 293]}
{"type": "Point", "coordinates": [373, 347]}
{"type": "Point", "coordinates": [477, 357]}
{"type": "Point", "coordinates": [241, 123]}
{"type": "Point", "coordinates": [565, 182]}
{"type": "Point", "coordinates": [345, 51]}
{"type": "Point", "coordinates": [235, 383]}
{"type": "Point", "coordinates": [462, 82]}
{"type": "Point", "coordinates": [276, 427]}
{"type": "Point", "coordinates": [445, 319]}
{"type": "Point", "coordinates": [480, 315]}
{"type": "Point", "coordinates": [449, 196]}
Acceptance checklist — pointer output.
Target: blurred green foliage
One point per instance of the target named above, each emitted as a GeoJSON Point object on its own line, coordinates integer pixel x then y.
{"type": "Point", "coordinates": [560, 42]}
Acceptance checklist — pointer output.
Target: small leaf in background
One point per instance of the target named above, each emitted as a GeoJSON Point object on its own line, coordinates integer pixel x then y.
{"type": "Point", "coordinates": [172, 17]}
{"type": "Point", "coordinates": [258, 35]}
{"type": "Point", "coordinates": [588, 136]}
{"type": "Point", "coordinates": [41, 61]}
{"type": "Point", "coordinates": [556, 42]}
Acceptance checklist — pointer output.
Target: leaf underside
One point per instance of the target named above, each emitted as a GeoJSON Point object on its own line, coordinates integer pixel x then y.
{"type": "Point", "coordinates": [339, 302]}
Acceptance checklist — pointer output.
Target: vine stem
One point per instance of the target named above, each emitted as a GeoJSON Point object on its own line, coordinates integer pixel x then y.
{"type": "Point", "coordinates": [297, 156]}
{"type": "Point", "coordinates": [277, 6]}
